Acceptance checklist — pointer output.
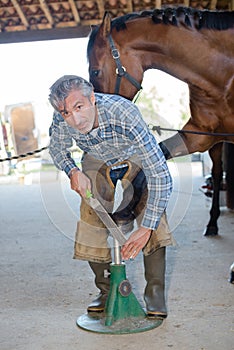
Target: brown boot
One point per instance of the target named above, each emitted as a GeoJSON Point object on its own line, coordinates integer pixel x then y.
{"type": "Point", "coordinates": [102, 281]}
{"type": "Point", "coordinates": [155, 277]}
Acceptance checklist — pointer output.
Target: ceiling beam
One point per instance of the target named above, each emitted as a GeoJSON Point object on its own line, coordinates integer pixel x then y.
{"type": "Point", "coordinates": [46, 11]}
{"type": "Point", "coordinates": [20, 13]}
{"type": "Point", "coordinates": [74, 11]}
{"type": "Point", "coordinates": [45, 34]}
{"type": "Point", "coordinates": [100, 8]}
{"type": "Point", "coordinates": [158, 4]}
{"type": "Point", "coordinates": [213, 4]}
{"type": "Point", "coordinates": [129, 6]}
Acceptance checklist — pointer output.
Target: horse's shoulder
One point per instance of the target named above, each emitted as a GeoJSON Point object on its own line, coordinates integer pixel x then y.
{"type": "Point", "coordinates": [229, 94]}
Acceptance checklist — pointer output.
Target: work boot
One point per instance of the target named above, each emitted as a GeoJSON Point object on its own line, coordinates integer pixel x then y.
{"type": "Point", "coordinates": [154, 297]}
{"type": "Point", "coordinates": [102, 281]}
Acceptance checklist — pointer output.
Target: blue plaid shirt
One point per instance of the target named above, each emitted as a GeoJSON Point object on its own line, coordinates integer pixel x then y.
{"type": "Point", "coordinates": [122, 133]}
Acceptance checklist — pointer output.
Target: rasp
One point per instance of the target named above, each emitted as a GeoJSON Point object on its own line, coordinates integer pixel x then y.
{"type": "Point", "coordinates": [106, 219]}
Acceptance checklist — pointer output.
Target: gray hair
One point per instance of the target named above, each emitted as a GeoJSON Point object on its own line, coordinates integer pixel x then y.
{"type": "Point", "coordinates": [60, 90]}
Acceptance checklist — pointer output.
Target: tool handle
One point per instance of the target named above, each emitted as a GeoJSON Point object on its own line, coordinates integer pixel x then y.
{"type": "Point", "coordinates": [89, 194]}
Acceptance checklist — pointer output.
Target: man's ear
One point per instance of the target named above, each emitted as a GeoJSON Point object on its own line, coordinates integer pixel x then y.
{"type": "Point", "coordinates": [92, 98]}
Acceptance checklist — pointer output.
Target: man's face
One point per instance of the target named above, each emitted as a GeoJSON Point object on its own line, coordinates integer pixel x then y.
{"type": "Point", "coordinates": [79, 111]}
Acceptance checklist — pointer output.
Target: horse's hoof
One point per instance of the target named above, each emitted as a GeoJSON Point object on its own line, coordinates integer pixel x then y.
{"type": "Point", "coordinates": [231, 279]}
{"type": "Point", "coordinates": [211, 231]}
{"type": "Point", "coordinates": [125, 221]}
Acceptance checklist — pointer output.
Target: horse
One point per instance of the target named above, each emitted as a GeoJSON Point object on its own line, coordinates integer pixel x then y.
{"type": "Point", "coordinates": [194, 46]}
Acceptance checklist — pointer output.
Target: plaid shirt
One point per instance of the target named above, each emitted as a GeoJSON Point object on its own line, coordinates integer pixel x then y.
{"type": "Point", "coordinates": [121, 133]}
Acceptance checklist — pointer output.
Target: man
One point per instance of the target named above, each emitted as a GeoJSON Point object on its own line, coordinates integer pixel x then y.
{"type": "Point", "coordinates": [117, 144]}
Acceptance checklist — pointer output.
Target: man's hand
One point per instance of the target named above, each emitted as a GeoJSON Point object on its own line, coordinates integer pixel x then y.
{"type": "Point", "coordinates": [80, 183]}
{"type": "Point", "coordinates": [135, 243]}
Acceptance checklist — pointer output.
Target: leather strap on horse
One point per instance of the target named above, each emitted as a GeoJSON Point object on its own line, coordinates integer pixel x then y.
{"type": "Point", "coordinates": [159, 128]}
{"type": "Point", "coordinates": [156, 128]}
{"type": "Point", "coordinates": [120, 70]}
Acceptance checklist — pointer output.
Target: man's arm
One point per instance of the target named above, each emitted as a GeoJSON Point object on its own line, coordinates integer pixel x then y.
{"type": "Point", "coordinates": [154, 165]}
{"type": "Point", "coordinates": [60, 144]}
{"type": "Point", "coordinates": [159, 184]}
{"type": "Point", "coordinates": [79, 182]}
{"type": "Point", "coordinates": [135, 243]}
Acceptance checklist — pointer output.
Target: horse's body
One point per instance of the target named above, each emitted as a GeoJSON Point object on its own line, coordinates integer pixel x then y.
{"type": "Point", "coordinates": [194, 46]}
{"type": "Point", "coordinates": [200, 53]}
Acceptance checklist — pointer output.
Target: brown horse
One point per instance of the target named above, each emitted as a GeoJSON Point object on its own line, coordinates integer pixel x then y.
{"type": "Point", "coordinates": [194, 46]}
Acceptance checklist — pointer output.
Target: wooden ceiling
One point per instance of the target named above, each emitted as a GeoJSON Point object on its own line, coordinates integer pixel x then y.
{"type": "Point", "coordinates": [31, 20]}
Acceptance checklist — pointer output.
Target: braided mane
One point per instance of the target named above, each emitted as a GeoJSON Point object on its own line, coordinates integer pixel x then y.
{"type": "Point", "coordinates": [203, 18]}
{"type": "Point", "coordinates": [216, 20]}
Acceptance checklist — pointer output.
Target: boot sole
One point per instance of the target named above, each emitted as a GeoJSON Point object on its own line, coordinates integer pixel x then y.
{"type": "Point", "coordinates": [160, 315]}
{"type": "Point", "coordinates": [95, 310]}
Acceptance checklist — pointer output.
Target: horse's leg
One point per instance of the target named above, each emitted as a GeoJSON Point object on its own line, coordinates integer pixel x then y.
{"type": "Point", "coordinates": [217, 175]}
{"type": "Point", "coordinates": [231, 278]}
{"type": "Point", "coordinates": [124, 215]}
{"type": "Point", "coordinates": [173, 143]}
{"type": "Point", "coordinates": [229, 167]}
{"type": "Point", "coordinates": [186, 143]}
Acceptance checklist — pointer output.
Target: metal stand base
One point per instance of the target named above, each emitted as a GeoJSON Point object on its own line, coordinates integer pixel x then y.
{"type": "Point", "coordinates": [125, 326]}
{"type": "Point", "coordinates": [123, 313]}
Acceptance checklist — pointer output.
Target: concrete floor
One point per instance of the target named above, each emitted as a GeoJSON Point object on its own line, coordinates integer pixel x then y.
{"type": "Point", "coordinates": [44, 290]}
